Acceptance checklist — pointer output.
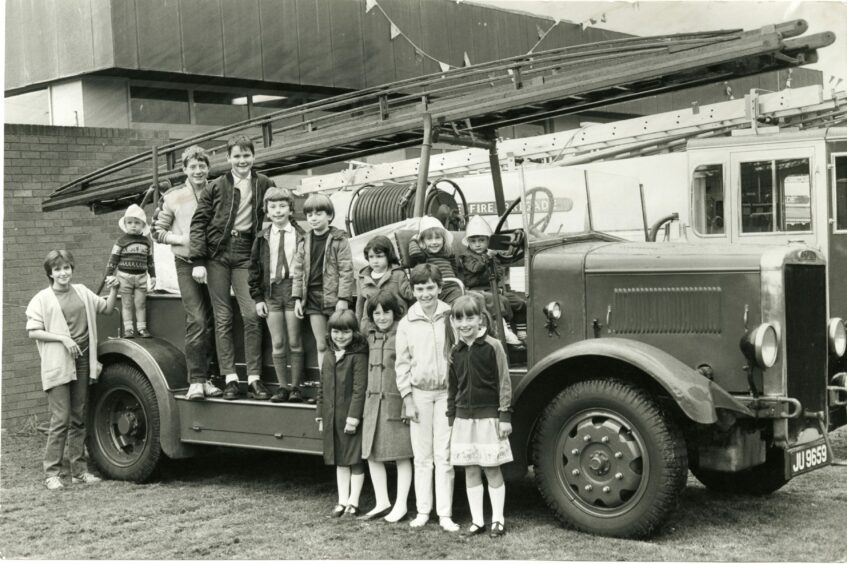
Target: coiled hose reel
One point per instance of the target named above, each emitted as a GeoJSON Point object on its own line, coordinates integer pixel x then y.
{"type": "Point", "coordinates": [377, 206]}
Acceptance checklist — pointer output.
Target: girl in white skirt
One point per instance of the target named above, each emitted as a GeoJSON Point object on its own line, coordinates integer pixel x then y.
{"type": "Point", "coordinates": [479, 396]}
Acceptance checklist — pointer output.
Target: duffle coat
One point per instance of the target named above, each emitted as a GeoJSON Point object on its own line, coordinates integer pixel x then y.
{"type": "Point", "coordinates": [384, 435]}
{"type": "Point", "coordinates": [342, 395]}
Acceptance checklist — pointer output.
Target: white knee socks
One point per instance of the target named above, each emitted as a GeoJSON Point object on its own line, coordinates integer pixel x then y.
{"type": "Point", "coordinates": [379, 479]}
{"type": "Point", "coordinates": [342, 479]}
{"type": "Point", "coordinates": [475, 495]}
{"type": "Point", "coordinates": [356, 483]}
{"type": "Point", "coordinates": [498, 500]}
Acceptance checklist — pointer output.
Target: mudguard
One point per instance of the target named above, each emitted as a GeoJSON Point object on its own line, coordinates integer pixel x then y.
{"type": "Point", "coordinates": [697, 396]}
{"type": "Point", "coordinates": [164, 366]}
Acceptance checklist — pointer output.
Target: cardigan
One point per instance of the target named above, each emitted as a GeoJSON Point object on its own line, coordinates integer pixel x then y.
{"type": "Point", "coordinates": [57, 364]}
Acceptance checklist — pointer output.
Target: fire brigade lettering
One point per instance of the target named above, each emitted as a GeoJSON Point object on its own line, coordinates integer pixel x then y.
{"type": "Point", "coordinates": [809, 458]}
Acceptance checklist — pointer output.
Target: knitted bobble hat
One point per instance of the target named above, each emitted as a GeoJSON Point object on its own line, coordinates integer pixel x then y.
{"type": "Point", "coordinates": [135, 211]}
{"type": "Point", "coordinates": [476, 227]}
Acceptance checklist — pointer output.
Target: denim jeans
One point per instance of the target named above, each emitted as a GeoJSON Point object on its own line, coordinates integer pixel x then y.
{"type": "Point", "coordinates": [199, 339]}
{"type": "Point", "coordinates": [67, 422]}
{"type": "Point", "coordinates": [230, 269]}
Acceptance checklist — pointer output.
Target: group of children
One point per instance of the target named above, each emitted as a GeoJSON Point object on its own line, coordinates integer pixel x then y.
{"type": "Point", "coordinates": [403, 374]}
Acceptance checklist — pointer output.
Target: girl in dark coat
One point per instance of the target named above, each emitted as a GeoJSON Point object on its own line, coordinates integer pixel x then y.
{"type": "Point", "coordinates": [385, 431]}
{"type": "Point", "coordinates": [341, 400]}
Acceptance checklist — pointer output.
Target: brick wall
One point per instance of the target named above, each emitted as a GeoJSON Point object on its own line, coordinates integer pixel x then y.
{"type": "Point", "coordinates": [38, 159]}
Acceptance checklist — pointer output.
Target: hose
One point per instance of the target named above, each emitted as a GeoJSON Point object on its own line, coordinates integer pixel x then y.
{"type": "Point", "coordinates": [373, 206]}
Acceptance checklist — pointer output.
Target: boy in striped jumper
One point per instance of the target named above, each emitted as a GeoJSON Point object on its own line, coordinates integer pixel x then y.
{"type": "Point", "coordinates": [131, 263]}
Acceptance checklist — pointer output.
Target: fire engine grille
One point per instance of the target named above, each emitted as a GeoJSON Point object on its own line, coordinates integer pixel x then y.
{"type": "Point", "coordinates": [684, 309]}
{"type": "Point", "coordinates": [805, 334]}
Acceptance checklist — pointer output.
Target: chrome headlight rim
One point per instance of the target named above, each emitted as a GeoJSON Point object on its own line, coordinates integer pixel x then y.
{"type": "Point", "coordinates": [762, 345]}
{"type": "Point", "coordinates": [837, 336]}
{"type": "Point", "coordinates": [553, 311]}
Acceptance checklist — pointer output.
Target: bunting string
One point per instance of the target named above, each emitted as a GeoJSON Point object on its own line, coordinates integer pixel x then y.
{"type": "Point", "coordinates": [420, 54]}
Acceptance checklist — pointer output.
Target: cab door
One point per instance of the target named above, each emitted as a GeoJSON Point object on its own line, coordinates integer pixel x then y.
{"type": "Point", "coordinates": [838, 236]}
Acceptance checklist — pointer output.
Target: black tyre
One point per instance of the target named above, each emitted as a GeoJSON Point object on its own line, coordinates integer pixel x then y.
{"type": "Point", "coordinates": [607, 460]}
{"type": "Point", "coordinates": [123, 436]}
{"type": "Point", "coordinates": [763, 479]}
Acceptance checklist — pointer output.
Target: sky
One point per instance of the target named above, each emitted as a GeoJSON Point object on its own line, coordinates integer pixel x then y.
{"type": "Point", "coordinates": [657, 17]}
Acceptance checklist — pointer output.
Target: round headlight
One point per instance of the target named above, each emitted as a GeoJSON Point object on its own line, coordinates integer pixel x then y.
{"type": "Point", "coordinates": [837, 337]}
{"type": "Point", "coordinates": [761, 345]}
{"type": "Point", "coordinates": [553, 310]}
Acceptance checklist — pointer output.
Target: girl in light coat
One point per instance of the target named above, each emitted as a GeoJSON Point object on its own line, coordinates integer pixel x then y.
{"type": "Point", "coordinates": [385, 430]}
{"type": "Point", "coordinates": [62, 320]}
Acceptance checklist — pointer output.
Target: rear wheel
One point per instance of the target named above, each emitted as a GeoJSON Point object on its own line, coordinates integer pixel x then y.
{"type": "Point", "coordinates": [763, 479]}
{"type": "Point", "coordinates": [124, 424]}
{"type": "Point", "coordinates": [607, 460]}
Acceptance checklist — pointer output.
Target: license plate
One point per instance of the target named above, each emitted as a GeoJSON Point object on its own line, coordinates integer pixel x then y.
{"type": "Point", "coordinates": [808, 457]}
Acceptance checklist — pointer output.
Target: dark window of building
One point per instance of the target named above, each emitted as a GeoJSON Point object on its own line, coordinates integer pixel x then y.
{"type": "Point", "coordinates": [776, 196]}
{"type": "Point", "coordinates": [219, 108]}
{"type": "Point", "coordinates": [159, 105]}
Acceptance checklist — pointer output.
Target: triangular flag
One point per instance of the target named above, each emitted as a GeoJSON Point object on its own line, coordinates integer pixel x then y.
{"type": "Point", "coordinates": [395, 31]}
{"type": "Point", "coordinates": [444, 66]}
{"type": "Point", "coordinates": [467, 60]}
{"type": "Point", "coordinates": [369, 5]}
{"type": "Point", "coordinates": [539, 31]}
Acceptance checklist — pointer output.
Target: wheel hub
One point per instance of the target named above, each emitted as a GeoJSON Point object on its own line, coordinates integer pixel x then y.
{"type": "Point", "coordinates": [127, 423]}
{"type": "Point", "coordinates": [602, 463]}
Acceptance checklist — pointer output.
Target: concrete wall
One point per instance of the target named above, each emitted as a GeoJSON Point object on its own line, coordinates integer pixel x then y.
{"type": "Point", "coordinates": [37, 160]}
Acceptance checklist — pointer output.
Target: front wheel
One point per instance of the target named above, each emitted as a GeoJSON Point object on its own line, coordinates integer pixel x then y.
{"type": "Point", "coordinates": [124, 424]}
{"type": "Point", "coordinates": [607, 460]}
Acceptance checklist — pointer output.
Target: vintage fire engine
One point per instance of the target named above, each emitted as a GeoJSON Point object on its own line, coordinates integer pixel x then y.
{"type": "Point", "coordinates": [643, 360]}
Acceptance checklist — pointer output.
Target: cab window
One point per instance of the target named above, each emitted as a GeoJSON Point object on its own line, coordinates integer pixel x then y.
{"type": "Point", "coordinates": [841, 193]}
{"type": "Point", "coordinates": [707, 199]}
{"type": "Point", "coordinates": [776, 196]}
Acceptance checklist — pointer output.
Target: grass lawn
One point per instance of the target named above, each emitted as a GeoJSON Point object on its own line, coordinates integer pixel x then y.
{"type": "Point", "coordinates": [231, 504]}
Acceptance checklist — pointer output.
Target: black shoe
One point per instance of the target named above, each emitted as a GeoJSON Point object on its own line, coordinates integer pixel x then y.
{"type": "Point", "coordinates": [497, 530]}
{"type": "Point", "coordinates": [257, 390]}
{"type": "Point", "coordinates": [144, 333]}
{"type": "Point", "coordinates": [474, 530]}
{"type": "Point", "coordinates": [377, 515]}
{"type": "Point", "coordinates": [337, 511]}
{"type": "Point", "coordinates": [231, 392]}
{"type": "Point", "coordinates": [351, 511]}
{"type": "Point", "coordinates": [296, 396]}
{"type": "Point", "coordinates": [129, 334]}
{"type": "Point", "coordinates": [281, 395]}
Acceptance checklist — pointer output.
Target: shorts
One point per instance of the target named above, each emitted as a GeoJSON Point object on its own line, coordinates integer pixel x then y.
{"type": "Point", "coordinates": [279, 296]}
{"type": "Point", "coordinates": [129, 283]}
{"type": "Point", "coordinates": [313, 304]}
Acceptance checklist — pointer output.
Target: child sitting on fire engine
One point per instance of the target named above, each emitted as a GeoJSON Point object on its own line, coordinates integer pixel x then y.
{"type": "Point", "coordinates": [474, 266]}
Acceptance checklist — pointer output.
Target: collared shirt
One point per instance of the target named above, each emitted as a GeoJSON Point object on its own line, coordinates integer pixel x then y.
{"type": "Point", "coordinates": [243, 217]}
{"type": "Point", "coordinates": [290, 246]}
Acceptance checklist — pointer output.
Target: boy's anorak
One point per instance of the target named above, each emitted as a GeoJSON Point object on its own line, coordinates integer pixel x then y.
{"type": "Point", "coordinates": [395, 281]}
{"type": "Point", "coordinates": [421, 345]}
{"type": "Point", "coordinates": [338, 280]}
